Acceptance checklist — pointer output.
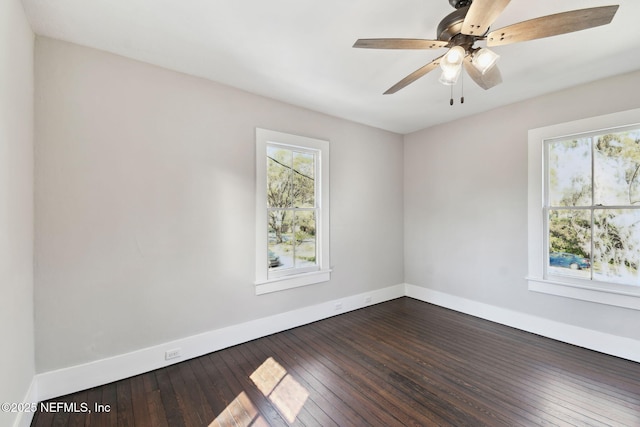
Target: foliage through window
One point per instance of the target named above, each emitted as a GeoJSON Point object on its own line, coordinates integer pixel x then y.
{"type": "Point", "coordinates": [291, 207]}
{"type": "Point", "coordinates": [592, 205]}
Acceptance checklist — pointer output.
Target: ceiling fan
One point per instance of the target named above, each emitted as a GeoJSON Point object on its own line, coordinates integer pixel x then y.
{"type": "Point", "coordinates": [470, 23]}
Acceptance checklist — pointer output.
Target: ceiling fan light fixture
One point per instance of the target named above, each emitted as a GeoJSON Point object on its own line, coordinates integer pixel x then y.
{"type": "Point", "coordinates": [450, 75]}
{"type": "Point", "coordinates": [453, 58]}
{"type": "Point", "coordinates": [483, 59]}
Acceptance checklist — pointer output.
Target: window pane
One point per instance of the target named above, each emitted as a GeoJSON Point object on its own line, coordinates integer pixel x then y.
{"type": "Point", "coordinates": [279, 177]}
{"type": "Point", "coordinates": [303, 180]}
{"type": "Point", "coordinates": [291, 190]}
{"type": "Point", "coordinates": [616, 168]}
{"type": "Point", "coordinates": [280, 247]}
{"type": "Point", "coordinates": [570, 243]}
{"type": "Point", "coordinates": [570, 173]}
{"type": "Point", "coordinates": [616, 245]}
{"type": "Point", "coordinates": [305, 238]}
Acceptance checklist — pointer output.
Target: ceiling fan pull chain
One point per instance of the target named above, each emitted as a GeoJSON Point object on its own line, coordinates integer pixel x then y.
{"type": "Point", "coordinates": [451, 98]}
{"type": "Point", "coordinates": [462, 89]}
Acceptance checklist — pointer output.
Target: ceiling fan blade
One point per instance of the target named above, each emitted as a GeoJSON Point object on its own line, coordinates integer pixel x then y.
{"type": "Point", "coordinates": [413, 76]}
{"type": "Point", "coordinates": [552, 25]}
{"type": "Point", "coordinates": [487, 80]}
{"type": "Point", "coordinates": [400, 44]}
{"type": "Point", "coordinates": [481, 15]}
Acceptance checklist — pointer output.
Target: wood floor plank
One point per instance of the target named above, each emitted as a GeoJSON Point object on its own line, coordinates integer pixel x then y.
{"type": "Point", "coordinates": [211, 394]}
{"type": "Point", "coordinates": [240, 370]}
{"type": "Point", "coordinates": [324, 411]}
{"type": "Point", "coordinates": [42, 419]}
{"type": "Point", "coordinates": [188, 396]}
{"type": "Point", "coordinates": [157, 414]}
{"type": "Point", "coordinates": [125, 405]}
{"type": "Point", "coordinates": [260, 377]}
{"type": "Point", "coordinates": [391, 361]}
{"type": "Point", "coordinates": [552, 383]}
{"type": "Point", "coordinates": [302, 393]}
{"type": "Point", "coordinates": [399, 363]}
{"type": "Point", "coordinates": [196, 399]}
{"type": "Point", "coordinates": [306, 367]}
{"type": "Point", "coordinates": [169, 399]}
{"type": "Point", "coordinates": [92, 419]}
{"type": "Point", "coordinates": [139, 401]}
{"type": "Point", "coordinates": [548, 385]}
{"type": "Point", "coordinates": [482, 368]}
{"type": "Point", "coordinates": [388, 362]}
{"type": "Point", "coordinates": [223, 395]}
{"type": "Point", "coordinates": [443, 369]}
{"type": "Point", "coordinates": [376, 396]}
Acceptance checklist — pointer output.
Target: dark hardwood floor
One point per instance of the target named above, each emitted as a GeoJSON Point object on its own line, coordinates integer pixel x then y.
{"type": "Point", "coordinates": [399, 363]}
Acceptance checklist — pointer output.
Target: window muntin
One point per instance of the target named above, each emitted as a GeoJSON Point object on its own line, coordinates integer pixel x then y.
{"type": "Point", "coordinates": [592, 204]}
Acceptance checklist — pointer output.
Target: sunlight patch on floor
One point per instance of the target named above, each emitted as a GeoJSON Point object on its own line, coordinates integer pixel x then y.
{"type": "Point", "coordinates": [268, 376]}
{"type": "Point", "coordinates": [240, 412]}
{"type": "Point", "coordinates": [281, 388]}
{"type": "Point", "coordinates": [289, 397]}
{"type": "Point", "coordinates": [277, 385]}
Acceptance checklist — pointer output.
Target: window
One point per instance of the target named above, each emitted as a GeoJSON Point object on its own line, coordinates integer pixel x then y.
{"type": "Point", "coordinates": [292, 211]}
{"type": "Point", "coordinates": [593, 206]}
{"type": "Point", "coordinates": [584, 209]}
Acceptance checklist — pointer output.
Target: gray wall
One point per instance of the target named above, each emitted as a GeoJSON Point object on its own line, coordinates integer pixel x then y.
{"type": "Point", "coordinates": [16, 205]}
{"type": "Point", "coordinates": [466, 205]}
{"type": "Point", "coordinates": [145, 200]}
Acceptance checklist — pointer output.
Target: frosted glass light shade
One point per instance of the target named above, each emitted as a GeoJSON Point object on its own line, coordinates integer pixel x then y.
{"type": "Point", "coordinates": [483, 59]}
{"type": "Point", "coordinates": [453, 58]}
{"type": "Point", "coordinates": [450, 75]}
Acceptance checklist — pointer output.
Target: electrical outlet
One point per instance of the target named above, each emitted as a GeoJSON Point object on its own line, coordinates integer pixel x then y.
{"type": "Point", "coordinates": [172, 354]}
{"type": "Point", "coordinates": [338, 306]}
{"type": "Point", "coordinates": [367, 299]}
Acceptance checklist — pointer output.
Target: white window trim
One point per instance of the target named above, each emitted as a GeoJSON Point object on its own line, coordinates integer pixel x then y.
{"type": "Point", "coordinates": [264, 284]}
{"type": "Point", "coordinates": [599, 292]}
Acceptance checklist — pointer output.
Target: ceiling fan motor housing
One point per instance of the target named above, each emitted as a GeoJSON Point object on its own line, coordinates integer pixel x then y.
{"type": "Point", "coordinates": [450, 29]}
{"type": "Point", "coordinates": [451, 24]}
{"type": "Point", "coordinates": [460, 3]}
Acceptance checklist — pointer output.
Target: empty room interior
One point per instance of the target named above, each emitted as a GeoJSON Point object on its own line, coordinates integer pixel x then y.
{"type": "Point", "coordinates": [197, 198]}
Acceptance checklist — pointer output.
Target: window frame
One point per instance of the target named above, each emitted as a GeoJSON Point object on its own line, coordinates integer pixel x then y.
{"type": "Point", "coordinates": [539, 280]}
{"type": "Point", "coordinates": [281, 280]}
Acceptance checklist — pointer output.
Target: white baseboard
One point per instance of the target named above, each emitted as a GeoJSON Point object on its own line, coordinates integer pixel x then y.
{"type": "Point", "coordinates": [52, 384]}
{"type": "Point", "coordinates": [614, 345]}
{"type": "Point", "coordinates": [24, 418]}
{"type": "Point", "coordinates": [69, 380]}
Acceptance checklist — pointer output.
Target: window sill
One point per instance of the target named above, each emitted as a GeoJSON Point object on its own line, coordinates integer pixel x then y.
{"type": "Point", "coordinates": [293, 281]}
{"type": "Point", "coordinates": [627, 299]}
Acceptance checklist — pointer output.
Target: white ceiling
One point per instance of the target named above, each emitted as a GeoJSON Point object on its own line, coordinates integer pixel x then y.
{"type": "Point", "coordinates": [300, 51]}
